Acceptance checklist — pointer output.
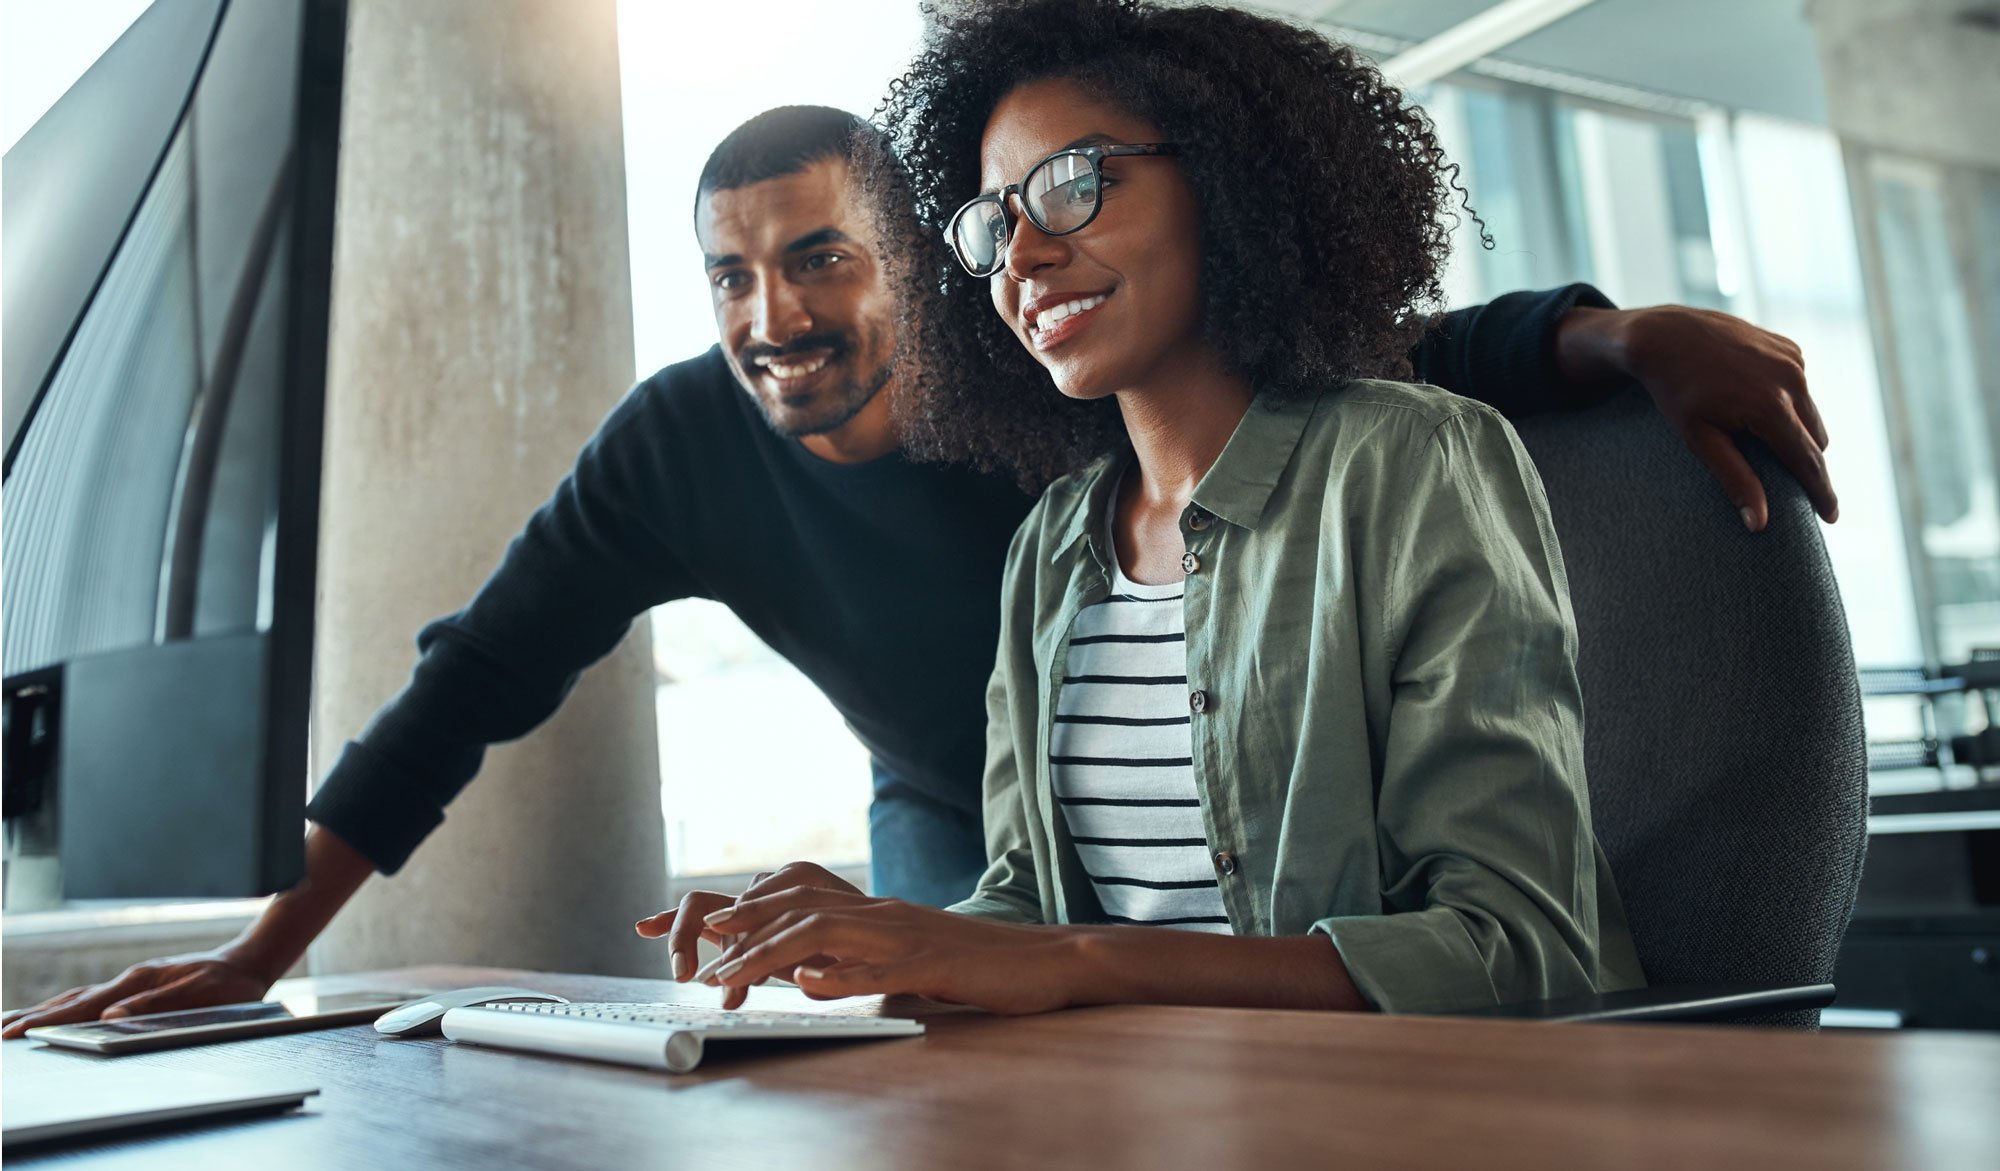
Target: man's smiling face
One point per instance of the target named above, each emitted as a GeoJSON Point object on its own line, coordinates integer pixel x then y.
{"type": "Point", "coordinates": [800, 300]}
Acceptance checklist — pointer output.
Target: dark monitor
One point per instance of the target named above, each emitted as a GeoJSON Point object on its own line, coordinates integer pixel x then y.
{"type": "Point", "coordinates": [168, 249]}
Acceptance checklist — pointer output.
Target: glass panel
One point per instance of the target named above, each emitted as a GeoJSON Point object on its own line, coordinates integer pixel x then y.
{"type": "Point", "coordinates": [757, 768]}
{"type": "Point", "coordinates": [1951, 465]}
{"type": "Point", "coordinates": [1446, 106]}
{"type": "Point", "coordinates": [1805, 267]}
{"type": "Point", "coordinates": [1506, 142]}
{"type": "Point", "coordinates": [1576, 193]}
{"type": "Point", "coordinates": [1625, 186]}
{"type": "Point", "coordinates": [1687, 219]}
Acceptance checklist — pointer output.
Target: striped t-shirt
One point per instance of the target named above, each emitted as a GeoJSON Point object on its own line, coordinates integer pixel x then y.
{"type": "Point", "coordinates": [1121, 759]}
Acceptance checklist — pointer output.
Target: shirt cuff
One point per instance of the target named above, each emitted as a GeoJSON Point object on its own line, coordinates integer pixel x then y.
{"type": "Point", "coordinates": [372, 805]}
{"type": "Point", "coordinates": [1542, 322]}
{"type": "Point", "coordinates": [1417, 961]}
{"type": "Point", "coordinates": [989, 906]}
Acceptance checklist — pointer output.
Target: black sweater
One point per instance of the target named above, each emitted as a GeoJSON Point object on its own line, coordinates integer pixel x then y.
{"type": "Point", "coordinates": [880, 581]}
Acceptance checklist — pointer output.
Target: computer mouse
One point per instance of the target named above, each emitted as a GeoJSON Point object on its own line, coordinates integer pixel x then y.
{"type": "Point", "coordinates": [425, 1018]}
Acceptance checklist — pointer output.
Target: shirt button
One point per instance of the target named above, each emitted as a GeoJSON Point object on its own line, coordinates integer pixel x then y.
{"type": "Point", "coordinates": [1226, 862]}
{"type": "Point", "coordinates": [1199, 520]}
{"type": "Point", "coordinates": [1198, 701]}
{"type": "Point", "coordinates": [1190, 563]}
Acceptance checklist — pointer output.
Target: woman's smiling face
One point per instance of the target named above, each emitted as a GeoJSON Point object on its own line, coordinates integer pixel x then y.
{"type": "Point", "coordinates": [1105, 308]}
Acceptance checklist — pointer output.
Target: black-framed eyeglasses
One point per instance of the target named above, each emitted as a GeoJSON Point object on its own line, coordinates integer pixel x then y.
{"type": "Point", "coordinates": [1061, 194]}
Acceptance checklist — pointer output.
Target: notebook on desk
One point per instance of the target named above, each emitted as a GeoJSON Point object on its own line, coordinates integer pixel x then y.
{"type": "Point", "coordinates": [45, 1104]}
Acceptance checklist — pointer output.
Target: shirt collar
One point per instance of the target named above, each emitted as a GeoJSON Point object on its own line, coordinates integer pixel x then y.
{"type": "Point", "coordinates": [1093, 490]}
{"type": "Point", "coordinates": [1236, 489]}
{"type": "Point", "coordinates": [1240, 484]}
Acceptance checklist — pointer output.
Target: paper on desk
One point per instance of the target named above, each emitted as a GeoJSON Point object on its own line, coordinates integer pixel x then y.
{"type": "Point", "coordinates": [42, 1103]}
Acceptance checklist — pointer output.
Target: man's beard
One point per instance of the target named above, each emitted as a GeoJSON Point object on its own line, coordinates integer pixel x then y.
{"type": "Point", "coordinates": [838, 404]}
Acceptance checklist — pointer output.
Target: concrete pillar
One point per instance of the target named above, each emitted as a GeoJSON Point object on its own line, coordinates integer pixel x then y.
{"type": "Point", "coordinates": [482, 326]}
{"type": "Point", "coordinates": [1918, 77]}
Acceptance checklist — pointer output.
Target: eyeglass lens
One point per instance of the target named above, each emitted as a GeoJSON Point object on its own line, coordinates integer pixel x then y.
{"type": "Point", "coordinates": [1060, 195]}
{"type": "Point", "coordinates": [979, 235]}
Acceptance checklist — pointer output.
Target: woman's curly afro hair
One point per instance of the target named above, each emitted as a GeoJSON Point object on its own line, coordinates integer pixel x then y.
{"type": "Point", "coordinates": [1324, 203]}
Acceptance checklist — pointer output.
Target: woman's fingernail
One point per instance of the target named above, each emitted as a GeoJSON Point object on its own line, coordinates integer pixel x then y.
{"type": "Point", "coordinates": [808, 974]}
{"type": "Point", "coordinates": [681, 966]}
{"type": "Point", "coordinates": [720, 917]}
{"type": "Point", "coordinates": [1749, 519]}
{"type": "Point", "coordinates": [728, 970]}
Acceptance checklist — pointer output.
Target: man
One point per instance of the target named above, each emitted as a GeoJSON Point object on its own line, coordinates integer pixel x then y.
{"type": "Point", "coordinates": [767, 474]}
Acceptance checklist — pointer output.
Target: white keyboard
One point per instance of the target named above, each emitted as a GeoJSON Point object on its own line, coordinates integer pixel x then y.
{"type": "Point", "coordinates": [656, 1036]}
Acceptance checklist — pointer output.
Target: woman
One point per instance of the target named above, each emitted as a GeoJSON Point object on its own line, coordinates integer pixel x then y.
{"type": "Point", "coordinates": [1285, 711]}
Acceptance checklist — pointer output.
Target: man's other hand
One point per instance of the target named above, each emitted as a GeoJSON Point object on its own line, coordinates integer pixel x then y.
{"type": "Point", "coordinates": [685, 926]}
{"type": "Point", "coordinates": [196, 980]}
{"type": "Point", "coordinates": [1714, 377]}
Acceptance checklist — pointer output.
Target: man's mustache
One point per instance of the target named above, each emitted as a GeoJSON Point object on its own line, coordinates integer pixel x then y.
{"type": "Point", "coordinates": [835, 343]}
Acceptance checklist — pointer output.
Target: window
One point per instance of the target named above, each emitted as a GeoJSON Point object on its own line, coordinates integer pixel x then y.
{"type": "Point", "coordinates": [47, 47]}
{"type": "Point", "coordinates": [1742, 213]}
{"type": "Point", "coordinates": [1577, 191]}
{"type": "Point", "coordinates": [756, 767]}
{"type": "Point", "coordinates": [1936, 269]}
{"type": "Point", "coordinates": [1805, 277]}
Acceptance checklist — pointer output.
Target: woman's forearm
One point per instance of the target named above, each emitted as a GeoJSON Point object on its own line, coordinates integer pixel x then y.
{"type": "Point", "coordinates": [844, 943]}
{"type": "Point", "coordinates": [1154, 965]}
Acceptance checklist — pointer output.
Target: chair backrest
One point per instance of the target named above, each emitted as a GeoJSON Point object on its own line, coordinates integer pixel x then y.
{"type": "Point", "coordinates": [1722, 717]}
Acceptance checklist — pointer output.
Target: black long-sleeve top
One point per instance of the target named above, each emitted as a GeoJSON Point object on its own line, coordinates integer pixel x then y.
{"type": "Point", "coordinates": [880, 581]}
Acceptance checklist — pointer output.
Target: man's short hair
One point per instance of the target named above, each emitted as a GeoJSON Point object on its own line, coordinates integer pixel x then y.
{"type": "Point", "coordinates": [783, 141]}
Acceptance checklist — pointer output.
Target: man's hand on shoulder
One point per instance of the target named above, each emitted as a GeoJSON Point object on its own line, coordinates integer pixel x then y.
{"type": "Point", "coordinates": [1714, 377]}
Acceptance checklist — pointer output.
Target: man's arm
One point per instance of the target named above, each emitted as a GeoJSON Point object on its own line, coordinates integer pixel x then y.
{"type": "Point", "coordinates": [588, 563]}
{"type": "Point", "coordinates": [1504, 352]}
{"type": "Point", "coordinates": [1714, 377]}
{"type": "Point", "coordinates": [569, 587]}
{"type": "Point", "coordinates": [242, 969]}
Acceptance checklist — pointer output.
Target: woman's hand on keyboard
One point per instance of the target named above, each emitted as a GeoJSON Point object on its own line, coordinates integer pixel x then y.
{"type": "Point", "coordinates": [843, 943]}
{"type": "Point", "coordinates": [686, 925]}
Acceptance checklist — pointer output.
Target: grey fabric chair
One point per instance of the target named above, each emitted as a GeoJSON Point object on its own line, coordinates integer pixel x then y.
{"type": "Point", "coordinates": [1722, 721]}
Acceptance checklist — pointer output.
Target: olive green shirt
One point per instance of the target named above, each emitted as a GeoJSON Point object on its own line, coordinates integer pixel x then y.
{"type": "Point", "coordinates": [1387, 724]}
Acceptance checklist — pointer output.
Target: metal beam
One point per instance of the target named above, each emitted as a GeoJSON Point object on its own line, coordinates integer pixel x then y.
{"type": "Point", "coordinates": [1462, 44]}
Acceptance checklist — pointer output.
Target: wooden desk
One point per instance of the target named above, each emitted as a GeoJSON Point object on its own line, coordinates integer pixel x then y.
{"type": "Point", "coordinates": [1145, 1088]}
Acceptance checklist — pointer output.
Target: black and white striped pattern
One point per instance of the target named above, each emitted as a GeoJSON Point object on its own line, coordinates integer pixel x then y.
{"type": "Point", "coordinates": [1121, 761]}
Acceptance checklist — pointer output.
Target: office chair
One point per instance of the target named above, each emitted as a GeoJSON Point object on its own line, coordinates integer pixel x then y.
{"type": "Point", "coordinates": [1727, 767]}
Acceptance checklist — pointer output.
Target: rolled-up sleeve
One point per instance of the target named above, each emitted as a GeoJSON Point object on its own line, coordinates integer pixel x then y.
{"type": "Point", "coordinates": [1010, 890]}
{"type": "Point", "coordinates": [1482, 817]}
